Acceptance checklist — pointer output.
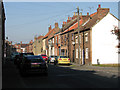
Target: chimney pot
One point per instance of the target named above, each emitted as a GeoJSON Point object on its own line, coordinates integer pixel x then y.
{"type": "Point", "coordinates": [99, 6]}
{"type": "Point", "coordinates": [50, 28]}
{"type": "Point", "coordinates": [80, 13]}
{"type": "Point", "coordinates": [87, 13]}
{"type": "Point", "coordinates": [74, 13]}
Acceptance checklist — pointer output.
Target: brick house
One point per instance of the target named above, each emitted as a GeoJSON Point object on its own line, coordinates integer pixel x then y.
{"type": "Point", "coordinates": [97, 44]}
{"type": "Point", "coordinates": [53, 47]}
{"type": "Point", "coordinates": [67, 35]}
{"type": "Point", "coordinates": [45, 41]}
{"type": "Point", "coordinates": [29, 48]}
{"type": "Point", "coordinates": [20, 47]}
{"type": "Point", "coordinates": [38, 45]}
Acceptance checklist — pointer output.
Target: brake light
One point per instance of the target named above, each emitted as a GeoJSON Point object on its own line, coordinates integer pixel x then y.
{"type": "Point", "coordinates": [69, 59]}
{"type": "Point", "coordinates": [60, 59]}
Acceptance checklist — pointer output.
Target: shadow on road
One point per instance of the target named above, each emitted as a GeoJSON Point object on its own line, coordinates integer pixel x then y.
{"type": "Point", "coordinates": [60, 76]}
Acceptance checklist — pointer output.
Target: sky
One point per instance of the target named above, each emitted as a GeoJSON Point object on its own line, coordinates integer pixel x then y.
{"type": "Point", "coordinates": [25, 20]}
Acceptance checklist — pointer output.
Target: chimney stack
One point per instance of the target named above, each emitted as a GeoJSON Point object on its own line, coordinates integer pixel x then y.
{"type": "Point", "coordinates": [56, 25]}
{"type": "Point", "coordinates": [21, 42]}
{"type": "Point", "coordinates": [80, 13]}
{"type": "Point", "coordinates": [87, 13]}
{"type": "Point", "coordinates": [50, 28]}
{"type": "Point", "coordinates": [31, 41]}
{"type": "Point", "coordinates": [102, 11]}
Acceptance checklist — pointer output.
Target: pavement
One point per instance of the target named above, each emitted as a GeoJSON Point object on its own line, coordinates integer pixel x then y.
{"type": "Point", "coordinates": [109, 70]}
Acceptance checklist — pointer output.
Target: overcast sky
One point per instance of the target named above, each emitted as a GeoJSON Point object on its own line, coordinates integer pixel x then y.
{"type": "Point", "coordinates": [24, 20]}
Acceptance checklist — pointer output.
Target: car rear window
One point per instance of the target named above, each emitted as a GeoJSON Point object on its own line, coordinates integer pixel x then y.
{"type": "Point", "coordinates": [53, 56]}
{"type": "Point", "coordinates": [43, 55]}
{"type": "Point", "coordinates": [63, 57]}
{"type": "Point", "coordinates": [36, 59]}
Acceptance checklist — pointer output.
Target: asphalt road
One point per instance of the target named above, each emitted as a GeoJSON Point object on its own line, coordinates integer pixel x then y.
{"type": "Point", "coordinates": [60, 76]}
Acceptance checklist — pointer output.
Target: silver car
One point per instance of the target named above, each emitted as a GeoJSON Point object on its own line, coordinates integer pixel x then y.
{"type": "Point", "coordinates": [51, 59]}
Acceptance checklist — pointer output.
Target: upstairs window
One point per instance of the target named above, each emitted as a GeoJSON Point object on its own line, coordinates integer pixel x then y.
{"type": "Point", "coordinates": [86, 37]}
{"type": "Point", "coordinates": [58, 39]}
{"type": "Point", "coordinates": [53, 40]}
{"type": "Point", "coordinates": [76, 39]}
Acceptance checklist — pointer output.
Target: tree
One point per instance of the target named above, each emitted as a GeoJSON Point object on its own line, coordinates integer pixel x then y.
{"type": "Point", "coordinates": [116, 32]}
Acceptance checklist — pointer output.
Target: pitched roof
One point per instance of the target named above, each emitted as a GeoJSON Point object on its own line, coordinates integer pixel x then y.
{"type": "Point", "coordinates": [74, 26]}
{"type": "Point", "coordinates": [47, 34]}
{"type": "Point", "coordinates": [24, 45]}
{"type": "Point", "coordinates": [40, 37]}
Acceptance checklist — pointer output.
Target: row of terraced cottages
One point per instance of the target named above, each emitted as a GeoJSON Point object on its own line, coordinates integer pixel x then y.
{"type": "Point", "coordinates": [97, 43]}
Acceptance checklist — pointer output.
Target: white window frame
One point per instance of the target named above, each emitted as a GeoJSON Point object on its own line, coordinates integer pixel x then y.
{"type": "Point", "coordinates": [86, 51]}
{"type": "Point", "coordinates": [80, 53]}
{"type": "Point", "coordinates": [77, 53]}
{"type": "Point", "coordinates": [59, 39]}
{"type": "Point", "coordinates": [53, 40]}
{"type": "Point", "coordinates": [76, 39]}
{"type": "Point", "coordinates": [86, 37]}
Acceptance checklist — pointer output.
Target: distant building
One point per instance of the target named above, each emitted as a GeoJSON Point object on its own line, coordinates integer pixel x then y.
{"type": "Point", "coordinates": [38, 45]}
{"type": "Point", "coordinates": [20, 47]}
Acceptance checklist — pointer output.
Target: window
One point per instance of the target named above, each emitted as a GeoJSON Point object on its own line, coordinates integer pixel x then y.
{"type": "Point", "coordinates": [65, 38]}
{"type": "Point", "coordinates": [53, 40]}
{"type": "Point", "coordinates": [80, 53]}
{"type": "Point", "coordinates": [86, 37]}
{"type": "Point", "coordinates": [86, 53]}
{"type": "Point", "coordinates": [76, 39]}
{"type": "Point", "coordinates": [76, 53]}
{"type": "Point", "coordinates": [59, 39]}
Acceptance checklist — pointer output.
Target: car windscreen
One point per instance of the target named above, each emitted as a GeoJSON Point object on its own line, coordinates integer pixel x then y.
{"type": "Point", "coordinates": [63, 57]}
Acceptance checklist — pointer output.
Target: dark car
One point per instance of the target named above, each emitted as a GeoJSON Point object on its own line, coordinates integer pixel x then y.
{"type": "Point", "coordinates": [33, 64]}
{"type": "Point", "coordinates": [16, 59]}
{"type": "Point", "coordinates": [20, 57]}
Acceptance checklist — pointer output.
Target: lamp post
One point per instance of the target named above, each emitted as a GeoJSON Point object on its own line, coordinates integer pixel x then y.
{"type": "Point", "coordinates": [78, 34]}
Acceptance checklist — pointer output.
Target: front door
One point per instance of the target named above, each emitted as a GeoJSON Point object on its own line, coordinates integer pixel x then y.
{"type": "Point", "coordinates": [83, 57]}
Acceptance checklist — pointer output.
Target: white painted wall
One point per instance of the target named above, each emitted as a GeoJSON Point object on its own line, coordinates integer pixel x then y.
{"type": "Point", "coordinates": [104, 42]}
{"type": "Point", "coordinates": [23, 50]}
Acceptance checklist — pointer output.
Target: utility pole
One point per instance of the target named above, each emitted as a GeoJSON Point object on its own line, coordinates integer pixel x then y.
{"type": "Point", "coordinates": [78, 34]}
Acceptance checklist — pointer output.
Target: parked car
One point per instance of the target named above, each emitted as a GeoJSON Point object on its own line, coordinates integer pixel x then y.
{"type": "Point", "coordinates": [21, 55]}
{"type": "Point", "coordinates": [51, 59]}
{"type": "Point", "coordinates": [62, 60]}
{"type": "Point", "coordinates": [16, 59]}
{"type": "Point", "coordinates": [33, 64]}
{"type": "Point", "coordinates": [13, 55]}
{"type": "Point", "coordinates": [44, 57]}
